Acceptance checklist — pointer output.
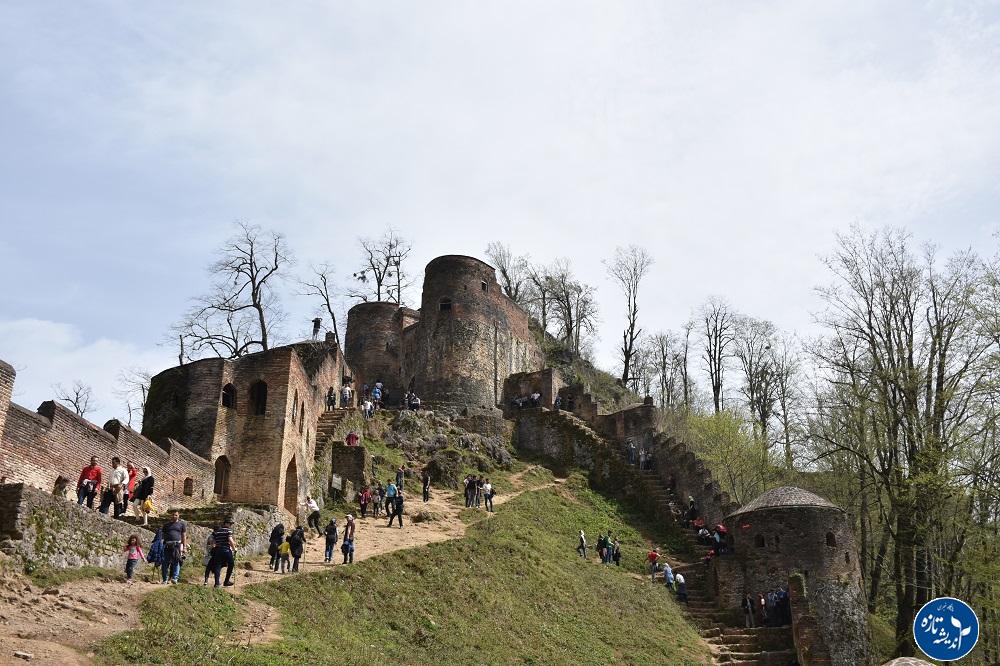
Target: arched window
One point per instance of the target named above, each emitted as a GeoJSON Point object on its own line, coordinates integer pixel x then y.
{"type": "Point", "coordinates": [258, 398]}
{"type": "Point", "coordinates": [229, 396]}
{"type": "Point", "coordinates": [189, 486]}
{"type": "Point", "coordinates": [831, 540]}
{"type": "Point", "coordinates": [483, 285]}
{"type": "Point", "coordinates": [295, 404]}
{"type": "Point", "coordinates": [759, 540]}
{"type": "Point", "coordinates": [221, 477]}
{"type": "Point", "coordinates": [302, 417]}
{"type": "Point", "coordinates": [445, 304]}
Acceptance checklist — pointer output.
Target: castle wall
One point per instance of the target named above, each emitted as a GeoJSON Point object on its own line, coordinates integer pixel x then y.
{"type": "Point", "coordinates": [523, 384]}
{"type": "Point", "coordinates": [470, 337]}
{"type": "Point", "coordinates": [38, 447]}
{"type": "Point", "coordinates": [7, 375]}
{"type": "Point", "coordinates": [373, 346]}
{"type": "Point", "coordinates": [183, 404]}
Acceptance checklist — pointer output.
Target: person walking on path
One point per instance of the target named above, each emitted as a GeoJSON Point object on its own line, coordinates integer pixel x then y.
{"type": "Point", "coordinates": [331, 539]}
{"type": "Point", "coordinates": [347, 548]}
{"type": "Point", "coordinates": [488, 495]}
{"type": "Point", "coordinates": [652, 558]}
{"type": "Point", "coordinates": [399, 478]}
{"type": "Point", "coordinates": [331, 400]}
{"type": "Point", "coordinates": [425, 481]}
{"type": "Point", "coordinates": [378, 499]}
{"type": "Point", "coordinates": [390, 497]}
{"type": "Point", "coordinates": [479, 490]}
{"type": "Point", "coordinates": [397, 509]}
{"type": "Point", "coordinates": [89, 482]}
{"type": "Point", "coordinates": [313, 520]}
{"type": "Point", "coordinates": [682, 589]}
{"type": "Point", "coordinates": [133, 554]}
{"type": "Point", "coordinates": [274, 545]}
{"type": "Point", "coordinates": [143, 492]}
{"type": "Point", "coordinates": [297, 540]}
{"type": "Point", "coordinates": [668, 575]}
{"type": "Point", "coordinates": [582, 546]}
{"type": "Point", "coordinates": [616, 553]}
{"type": "Point", "coordinates": [468, 485]}
{"type": "Point", "coordinates": [284, 555]}
{"type": "Point", "coordinates": [174, 548]}
{"type": "Point", "coordinates": [224, 552]}
{"type": "Point", "coordinates": [364, 497]}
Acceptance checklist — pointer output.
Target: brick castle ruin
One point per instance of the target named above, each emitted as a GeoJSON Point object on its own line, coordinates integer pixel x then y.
{"type": "Point", "coordinates": [252, 431]}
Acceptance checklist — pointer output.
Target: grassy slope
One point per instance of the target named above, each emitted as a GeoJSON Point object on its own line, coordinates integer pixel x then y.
{"type": "Point", "coordinates": [510, 592]}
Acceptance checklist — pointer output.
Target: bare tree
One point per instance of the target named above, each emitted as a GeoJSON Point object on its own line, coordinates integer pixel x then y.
{"type": "Point", "coordinates": [240, 312]}
{"type": "Point", "coordinates": [628, 267]}
{"type": "Point", "coordinates": [753, 347]}
{"type": "Point", "coordinates": [719, 337]}
{"type": "Point", "coordinates": [787, 391]}
{"type": "Point", "coordinates": [682, 362]}
{"type": "Point", "coordinates": [513, 271]}
{"type": "Point", "coordinates": [665, 359]}
{"type": "Point", "coordinates": [538, 294]}
{"type": "Point", "coordinates": [573, 305]}
{"type": "Point", "coordinates": [320, 285]}
{"type": "Point", "coordinates": [79, 396]}
{"type": "Point", "coordinates": [133, 387]}
{"type": "Point", "coordinates": [383, 273]}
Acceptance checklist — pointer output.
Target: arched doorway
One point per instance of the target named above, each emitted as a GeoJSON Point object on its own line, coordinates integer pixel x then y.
{"type": "Point", "coordinates": [222, 468]}
{"type": "Point", "coordinates": [292, 488]}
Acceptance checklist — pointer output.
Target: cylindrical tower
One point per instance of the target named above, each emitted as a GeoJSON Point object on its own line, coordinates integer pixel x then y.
{"type": "Point", "coordinates": [372, 346]}
{"type": "Point", "coordinates": [471, 335]}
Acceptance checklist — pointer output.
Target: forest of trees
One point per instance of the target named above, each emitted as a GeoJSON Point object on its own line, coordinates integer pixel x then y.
{"type": "Point", "coordinates": [890, 407]}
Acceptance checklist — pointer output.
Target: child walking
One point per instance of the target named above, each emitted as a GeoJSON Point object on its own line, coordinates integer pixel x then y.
{"type": "Point", "coordinates": [133, 553]}
{"type": "Point", "coordinates": [285, 551]}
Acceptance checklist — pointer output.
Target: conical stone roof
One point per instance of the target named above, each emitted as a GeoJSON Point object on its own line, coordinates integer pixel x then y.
{"type": "Point", "coordinates": [784, 497]}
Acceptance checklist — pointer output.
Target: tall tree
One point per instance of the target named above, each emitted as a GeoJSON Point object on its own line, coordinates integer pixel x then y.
{"type": "Point", "coordinates": [240, 312]}
{"type": "Point", "coordinates": [319, 284]}
{"type": "Point", "coordinates": [133, 387]}
{"type": "Point", "coordinates": [514, 271]}
{"type": "Point", "coordinates": [666, 359]}
{"type": "Point", "coordinates": [753, 342]}
{"type": "Point", "coordinates": [628, 267]}
{"type": "Point", "coordinates": [682, 361]}
{"type": "Point", "coordinates": [383, 273]}
{"type": "Point", "coordinates": [539, 294]}
{"type": "Point", "coordinates": [719, 335]}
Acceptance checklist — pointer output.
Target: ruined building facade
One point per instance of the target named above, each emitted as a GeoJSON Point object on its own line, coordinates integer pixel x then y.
{"type": "Point", "coordinates": [245, 430]}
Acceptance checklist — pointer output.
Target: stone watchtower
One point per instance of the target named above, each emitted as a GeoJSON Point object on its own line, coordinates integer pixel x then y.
{"type": "Point", "coordinates": [787, 531]}
{"type": "Point", "coordinates": [373, 345]}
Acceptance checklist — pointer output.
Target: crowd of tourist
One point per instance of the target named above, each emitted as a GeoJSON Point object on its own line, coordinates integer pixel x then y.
{"type": "Point", "coordinates": [478, 492]}
{"type": "Point", "coordinates": [116, 487]}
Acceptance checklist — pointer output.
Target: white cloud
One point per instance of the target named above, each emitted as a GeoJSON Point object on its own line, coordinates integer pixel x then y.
{"type": "Point", "coordinates": [46, 353]}
{"type": "Point", "coordinates": [733, 141]}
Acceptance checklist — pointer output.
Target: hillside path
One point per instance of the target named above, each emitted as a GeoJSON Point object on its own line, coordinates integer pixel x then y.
{"type": "Point", "coordinates": [57, 625]}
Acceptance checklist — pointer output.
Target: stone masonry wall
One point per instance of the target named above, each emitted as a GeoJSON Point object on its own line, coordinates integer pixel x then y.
{"type": "Point", "coordinates": [373, 347]}
{"type": "Point", "coordinates": [523, 384]}
{"type": "Point", "coordinates": [40, 446]}
{"type": "Point", "coordinates": [7, 375]}
{"type": "Point", "coordinates": [41, 529]}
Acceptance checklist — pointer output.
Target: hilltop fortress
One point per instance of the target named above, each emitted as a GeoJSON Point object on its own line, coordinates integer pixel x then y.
{"type": "Point", "coordinates": [245, 430]}
{"type": "Point", "coordinates": [256, 431]}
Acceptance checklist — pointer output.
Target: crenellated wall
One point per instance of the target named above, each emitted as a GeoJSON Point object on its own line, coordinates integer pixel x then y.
{"type": "Point", "coordinates": [40, 446]}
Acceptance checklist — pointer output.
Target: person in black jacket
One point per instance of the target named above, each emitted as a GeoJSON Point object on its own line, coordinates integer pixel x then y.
{"type": "Point", "coordinates": [297, 540]}
{"type": "Point", "coordinates": [331, 539]}
{"type": "Point", "coordinates": [397, 509]}
{"type": "Point", "coordinates": [274, 542]}
{"type": "Point", "coordinates": [143, 491]}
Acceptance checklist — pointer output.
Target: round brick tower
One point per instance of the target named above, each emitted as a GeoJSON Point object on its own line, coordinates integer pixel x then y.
{"type": "Point", "coordinates": [372, 346]}
{"type": "Point", "coordinates": [471, 335]}
{"type": "Point", "coordinates": [788, 531]}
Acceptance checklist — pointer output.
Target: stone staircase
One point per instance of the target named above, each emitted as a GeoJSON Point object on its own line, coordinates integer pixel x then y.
{"type": "Point", "coordinates": [723, 630]}
{"type": "Point", "coordinates": [328, 424]}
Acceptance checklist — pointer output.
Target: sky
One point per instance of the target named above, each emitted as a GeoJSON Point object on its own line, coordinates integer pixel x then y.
{"type": "Point", "coordinates": [732, 140]}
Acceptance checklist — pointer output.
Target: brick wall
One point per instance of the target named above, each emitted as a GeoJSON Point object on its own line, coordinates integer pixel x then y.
{"type": "Point", "coordinates": [523, 384]}
{"type": "Point", "coordinates": [7, 375]}
{"type": "Point", "coordinates": [40, 446]}
{"type": "Point", "coordinates": [353, 465]}
{"type": "Point", "coordinates": [373, 347]}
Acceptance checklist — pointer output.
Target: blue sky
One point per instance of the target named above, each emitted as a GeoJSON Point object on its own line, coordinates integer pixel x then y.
{"type": "Point", "coordinates": [733, 140]}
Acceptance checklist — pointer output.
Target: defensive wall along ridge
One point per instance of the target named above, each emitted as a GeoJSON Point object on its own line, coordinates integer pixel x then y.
{"type": "Point", "coordinates": [785, 537]}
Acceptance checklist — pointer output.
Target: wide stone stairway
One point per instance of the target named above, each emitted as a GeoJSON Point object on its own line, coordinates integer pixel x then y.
{"type": "Point", "coordinates": [329, 422]}
{"type": "Point", "coordinates": [732, 643]}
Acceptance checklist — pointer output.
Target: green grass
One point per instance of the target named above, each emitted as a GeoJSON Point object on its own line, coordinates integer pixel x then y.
{"type": "Point", "coordinates": [52, 577]}
{"type": "Point", "coordinates": [512, 591]}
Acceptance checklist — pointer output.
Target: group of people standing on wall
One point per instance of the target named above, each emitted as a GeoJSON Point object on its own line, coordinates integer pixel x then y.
{"type": "Point", "coordinates": [478, 491]}
{"type": "Point", "coordinates": [116, 487]}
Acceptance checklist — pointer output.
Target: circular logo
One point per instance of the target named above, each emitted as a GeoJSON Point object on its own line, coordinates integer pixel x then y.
{"type": "Point", "coordinates": [946, 629]}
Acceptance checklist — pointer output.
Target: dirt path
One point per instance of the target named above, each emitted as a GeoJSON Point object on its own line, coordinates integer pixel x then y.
{"type": "Point", "coordinates": [372, 538]}
{"type": "Point", "coordinates": [53, 624]}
